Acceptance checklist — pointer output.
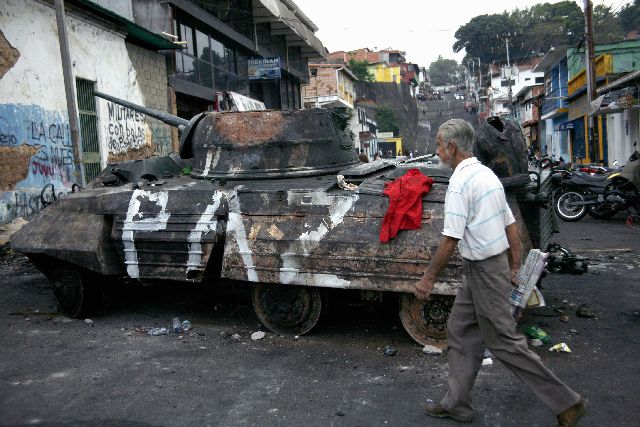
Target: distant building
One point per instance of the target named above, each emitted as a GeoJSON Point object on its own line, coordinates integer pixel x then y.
{"type": "Point", "coordinates": [517, 77]}
{"type": "Point", "coordinates": [330, 86]}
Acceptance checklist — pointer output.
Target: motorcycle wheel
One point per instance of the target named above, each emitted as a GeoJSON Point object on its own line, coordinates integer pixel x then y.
{"type": "Point", "coordinates": [570, 213]}
{"type": "Point", "coordinates": [601, 212]}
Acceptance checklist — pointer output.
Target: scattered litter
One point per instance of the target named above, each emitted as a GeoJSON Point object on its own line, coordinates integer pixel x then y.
{"type": "Point", "coordinates": [565, 301]}
{"type": "Point", "coordinates": [180, 337]}
{"type": "Point", "coordinates": [158, 331]}
{"type": "Point", "coordinates": [185, 326]}
{"type": "Point", "coordinates": [88, 322]}
{"type": "Point", "coordinates": [573, 331]}
{"type": "Point", "coordinates": [257, 335]}
{"type": "Point", "coordinates": [236, 337]}
{"type": "Point", "coordinates": [586, 238]}
{"type": "Point", "coordinates": [340, 413]}
{"type": "Point", "coordinates": [487, 361]}
{"type": "Point", "coordinates": [390, 351]}
{"type": "Point", "coordinates": [561, 347]}
{"type": "Point", "coordinates": [564, 318]}
{"type": "Point", "coordinates": [429, 349]}
{"type": "Point", "coordinates": [536, 342]}
{"type": "Point", "coordinates": [586, 310]}
{"type": "Point", "coordinates": [345, 185]}
{"type": "Point", "coordinates": [176, 324]}
{"type": "Point", "coordinates": [487, 354]}
{"type": "Point", "coordinates": [536, 333]}
{"type": "Point", "coordinates": [296, 337]}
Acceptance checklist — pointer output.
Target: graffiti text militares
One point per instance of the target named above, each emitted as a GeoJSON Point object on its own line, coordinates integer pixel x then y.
{"type": "Point", "coordinates": [125, 130]}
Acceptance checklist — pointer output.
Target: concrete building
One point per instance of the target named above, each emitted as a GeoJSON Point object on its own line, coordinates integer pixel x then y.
{"type": "Point", "coordinates": [613, 61]}
{"type": "Point", "coordinates": [554, 130]}
{"type": "Point", "coordinates": [527, 112]}
{"type": "Point", "coordinates": [259, 49]}
{"type": "Point", "coordinates": [330, 86]}
{"type": "Point", "coordinates": [517, 76]}
{"type": "Point", "coordinates": [110, 54]}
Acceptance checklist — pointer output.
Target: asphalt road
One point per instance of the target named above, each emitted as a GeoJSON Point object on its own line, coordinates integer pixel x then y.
{"type": "Point", "coordinates": [58, 371]}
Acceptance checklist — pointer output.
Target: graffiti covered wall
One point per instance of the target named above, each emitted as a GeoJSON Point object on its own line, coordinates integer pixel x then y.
{"type": "Point", "coordinates": [35, 143]}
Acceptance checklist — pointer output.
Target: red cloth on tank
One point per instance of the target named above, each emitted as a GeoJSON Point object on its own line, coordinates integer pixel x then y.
{"type": "Point", "coordinates": [405, 203]}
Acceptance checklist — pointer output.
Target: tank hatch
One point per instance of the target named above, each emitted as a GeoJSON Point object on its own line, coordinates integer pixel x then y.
{"type": "Point", "coordinates": [269, 144]}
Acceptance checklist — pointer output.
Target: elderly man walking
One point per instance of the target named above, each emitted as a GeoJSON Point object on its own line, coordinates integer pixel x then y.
{"type": "Point", "coordinates": [479, 222]}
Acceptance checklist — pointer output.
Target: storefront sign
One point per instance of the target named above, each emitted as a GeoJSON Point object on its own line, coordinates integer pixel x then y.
{"type": "Point", "coordinates": [264, 68]}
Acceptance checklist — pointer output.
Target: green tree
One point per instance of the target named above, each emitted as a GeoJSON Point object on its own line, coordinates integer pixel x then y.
{"type": "Point", "coordinates": [360, 70]}
{"type": "Point", "coordinates": [531, 31]}
{"type": "Point", "coordinates": [386, 119]}
{"type": "Point", "coordinates": [443, 71]}
{"type": "Point", "coordinates": [606, 25]}
{"type": "Point", "coordinates": [629, 16]}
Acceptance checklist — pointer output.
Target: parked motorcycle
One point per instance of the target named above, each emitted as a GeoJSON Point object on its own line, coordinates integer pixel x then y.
{"type": "Point", "coordinates": [600, 194]}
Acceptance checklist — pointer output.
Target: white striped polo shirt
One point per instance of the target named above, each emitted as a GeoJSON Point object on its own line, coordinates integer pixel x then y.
{"type": "Point", "coordinates": [476, 211]}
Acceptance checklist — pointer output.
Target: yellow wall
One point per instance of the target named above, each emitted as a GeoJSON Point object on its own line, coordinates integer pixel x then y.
{"type": "Point", "coordinates": [385, 74]}
{"type": "Point", "coordinates": [398, 142]}
{"type": "Point", "coordinates": [604, 66]}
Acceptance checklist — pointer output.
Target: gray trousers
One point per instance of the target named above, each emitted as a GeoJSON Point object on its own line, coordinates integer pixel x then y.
{"type": "Point", "coordinates": [481, 313]}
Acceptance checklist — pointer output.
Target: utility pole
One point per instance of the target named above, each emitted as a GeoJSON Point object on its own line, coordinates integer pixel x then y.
{"type": "Point", "coordinates": [506, 41]}
{"type": "Point", "coordinates": [591, 73]}
{"type": "Point", "coordinates": [72, 106]}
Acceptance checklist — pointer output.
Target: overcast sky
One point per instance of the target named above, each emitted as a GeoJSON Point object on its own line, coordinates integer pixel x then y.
{"type": "Point", "coordinates": [424, 29]}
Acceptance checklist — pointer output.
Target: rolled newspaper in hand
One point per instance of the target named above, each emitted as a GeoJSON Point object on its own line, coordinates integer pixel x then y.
{"type": "Point", "coordinates": [529, 274]}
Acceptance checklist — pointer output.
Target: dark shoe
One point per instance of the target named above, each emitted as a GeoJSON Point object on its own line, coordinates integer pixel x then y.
{"type": "Point", "coordinates": [570, 417]}
{"type": "Point", "coordinates": [434, 409]}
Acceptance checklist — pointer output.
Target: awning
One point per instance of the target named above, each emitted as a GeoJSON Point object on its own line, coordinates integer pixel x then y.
{"type": "Point", "coordinates": [288, 20]}
{"type": "Point", "coordinates": [135, 34]}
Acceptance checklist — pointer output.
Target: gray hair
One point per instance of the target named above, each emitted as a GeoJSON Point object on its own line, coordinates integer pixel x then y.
{"type": "Point", "coordinates": [458, 131]}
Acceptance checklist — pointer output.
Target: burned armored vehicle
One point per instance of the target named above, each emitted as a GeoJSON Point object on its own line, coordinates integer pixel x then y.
{"type": "Point", "coordinates": [262, 206]}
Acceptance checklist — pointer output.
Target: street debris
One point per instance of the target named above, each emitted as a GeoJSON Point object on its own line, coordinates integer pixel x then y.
{"type": "Point", "coordinates": [88, 322]}
{"type": "Point", "coordinates": [185, 326]}
{"type": "Point", "coordinates": [175, 325]}
{"type": "Point", "coordinates": [487, 361]}
{"type": "Point", "coordinates": [573, 331]}
{"type": "Point", "coordinates": [157, 331]}
{"type": "Point", "coordinates": [564, 318]}
{"type": "Point", "coordinates": [258, 335]}
{"type": "Point", "coordinates": [561, 347]}
{"type": "Point", "coordinates": [390, 351]}
{"type": "Point", "coordinates": [487, 354]}
{"type": "Point", "coordinates": [236, 337]}
{"type": "Point", "coordinates": [535, 332]}
{"type": "Point", "coordinates": [340, 413]}
{"type": "Point", "coordinates": [586, 310]}
{"type": "Point", "coordinates": [345, 185]}
{"type": "Point", "coordinates": [429, 349]}
{"type": "Point", "coordinates": [536, 342]}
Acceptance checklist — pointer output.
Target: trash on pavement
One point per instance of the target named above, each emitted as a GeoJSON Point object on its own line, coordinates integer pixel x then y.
{"type": "Point", "coordinates": [487, 353]}
{"type": "Point", "coordinates": [487, 361]}
{"type": "Point", "coordinates": [561, 347]}
{"type": "Point", "coordinates": [430, 349]}
{"type": "Point", "coordinates": [564, 318]}
{"type": "Point", "coordinates": [537, 333]}
{"type": "Point", "coordinates": [185, 326]}
{"type": "Point", "coordinates": [586, 310]}
{"type": "Point", "coordinates": [236, 337]}
{"type": "Point", "coordinates": [390, 351]}
{"type": "Point", "coordinates": [258, 335]}
{"type": "Point", "coordinates": [573, 331]}
{"type": "Point", "coordinates": [158, 331]}
{"type": "Point", "coordinates": [176, 324]}
{"type": "Point", "coordinates": [536, 342]}
{"type": "Point", "coordinates": [88, 322]}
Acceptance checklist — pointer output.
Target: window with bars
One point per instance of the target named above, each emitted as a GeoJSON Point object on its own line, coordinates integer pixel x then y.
{"type": "Point", "coordinates": [90, 143]}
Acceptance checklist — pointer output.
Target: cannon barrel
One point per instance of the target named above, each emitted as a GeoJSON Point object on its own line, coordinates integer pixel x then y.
{"type": "Point", "coordinates": [167, 118]}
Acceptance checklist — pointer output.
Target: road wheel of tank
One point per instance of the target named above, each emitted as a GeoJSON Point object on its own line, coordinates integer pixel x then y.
{"type": "Point", "coordinates": [287, 310]}
{"type": "Point", "coordinates": [426, 320]}
{"type": "Point", "coordinates": [568, 212]}
{"type": "Point", "coordinates": [76, 291]}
